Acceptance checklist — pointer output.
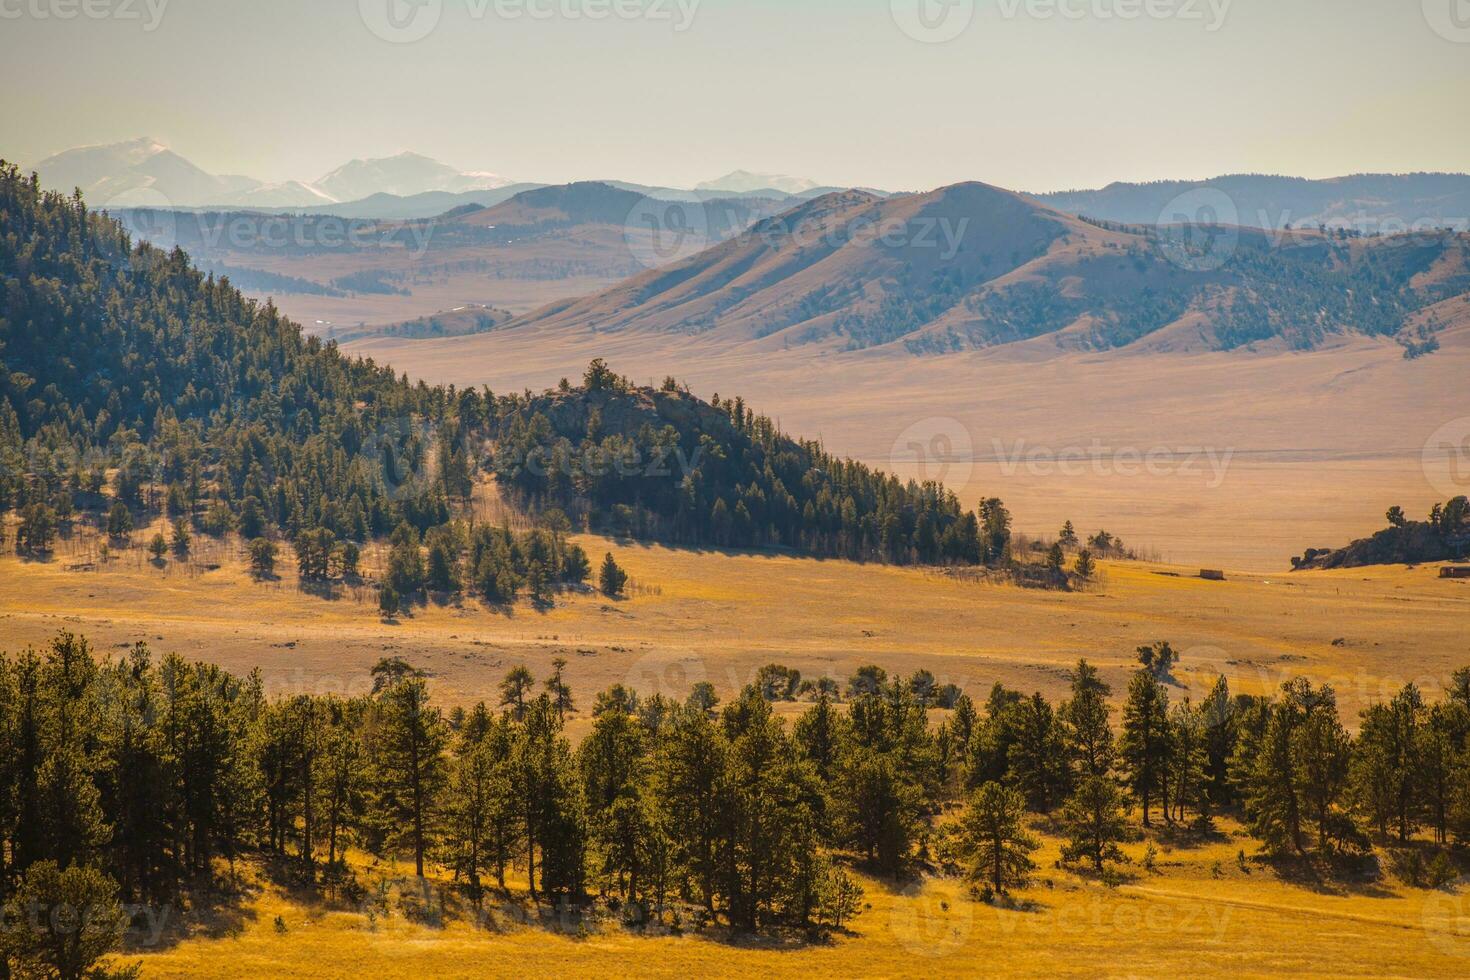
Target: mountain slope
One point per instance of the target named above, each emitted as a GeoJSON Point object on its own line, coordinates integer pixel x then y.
{"type": "Point", "coordinates": [973, 266]}
{"type": "Point", "coordinates": [141, 171]}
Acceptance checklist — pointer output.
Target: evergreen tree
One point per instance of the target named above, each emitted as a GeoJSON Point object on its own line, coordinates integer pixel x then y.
{"type": "Point", "coordinates": [993, 834]}
{"type": "Point", "coordinates": [74, 922]}
{"type": "Point", "coordinates": [1387, 763]}
{"type": "Point", "coordinates": [1085, 717]}
{"type": "Point", "coordinates": [611, 579]}
{"type": "Point", "coordinates": [1144, 746]}
{"type": "Point", "coordinates": [409, 744]}
{"type": "Point", "coordinates": [556, 687]}
{"type": "Point", "coordinates": [515, 689]}
{"type": "Point", "coordinates": [1217, 713]}
{"type": "Point", "coordinates": [1095, 823]}
{"type": "Point", "coordinates": [1037, 758]}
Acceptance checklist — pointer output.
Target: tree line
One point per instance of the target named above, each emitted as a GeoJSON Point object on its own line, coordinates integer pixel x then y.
{"type": "Point", "coordinates": [141, 778]}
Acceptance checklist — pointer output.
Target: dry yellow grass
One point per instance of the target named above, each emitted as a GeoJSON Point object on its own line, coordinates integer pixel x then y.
{"type": "Point", "coordinates": [719, 617]}
{"type": "Point", "coordinates": [1197, 914]}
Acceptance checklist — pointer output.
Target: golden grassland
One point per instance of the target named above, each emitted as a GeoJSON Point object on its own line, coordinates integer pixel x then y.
{"type": "Point", "coordinates": [1200, 911]}
{"type": "Point", "coordinates": [716, 616]}
{"type": "Point", "coordinates": [719, 616]}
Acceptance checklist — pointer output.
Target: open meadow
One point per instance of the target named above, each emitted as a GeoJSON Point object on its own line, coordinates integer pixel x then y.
{"type": "Point", "coordinates": [714, 616]}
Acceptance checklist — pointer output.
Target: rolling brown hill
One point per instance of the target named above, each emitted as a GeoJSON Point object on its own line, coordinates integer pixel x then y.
{"type": "Point", "coordinates": [338, 275]}
{"type": "Point", "coordinates": [973, 266]}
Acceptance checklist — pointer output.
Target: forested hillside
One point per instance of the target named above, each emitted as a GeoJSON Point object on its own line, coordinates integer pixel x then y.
{"type": "Point", "coordinates": [673, 810]}
{"type": "Point", "coordinates": [665, 464]}
{"type": "Point", "coordinates": [133, 386]}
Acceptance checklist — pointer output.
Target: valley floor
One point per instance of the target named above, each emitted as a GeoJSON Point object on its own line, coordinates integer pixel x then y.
{"type": "Point", "coordinates": [1240, 459]}
{"type": "Point", "coordinates": [716, 616]}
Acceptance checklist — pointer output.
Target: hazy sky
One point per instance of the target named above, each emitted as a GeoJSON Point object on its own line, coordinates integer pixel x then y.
{"type": "Point", "coordinates": [1032, 94]}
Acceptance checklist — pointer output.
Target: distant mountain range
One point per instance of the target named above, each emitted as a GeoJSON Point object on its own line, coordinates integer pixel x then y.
{"type": "Point", "coordinates": [973, 266]}
{"type": "Point", "coordinates": [146, 173]}
{"type": "Point", "coordinates": [1370, 203]}
{"type": "Point", "coordinates": [745, 182]}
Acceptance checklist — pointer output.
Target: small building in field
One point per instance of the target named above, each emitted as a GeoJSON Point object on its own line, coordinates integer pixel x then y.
{"type": "Point", "coordinates": [1212, 575]}
{"type": "Point", "coordinates": [1455, 571]}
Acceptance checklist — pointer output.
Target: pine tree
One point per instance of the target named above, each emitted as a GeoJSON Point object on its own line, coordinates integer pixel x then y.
{"type": "Point", "coordinates": [1272, 766]}
{"type": "Point", "coordinates": [1037, 758]}
{"type": "Point", "coordinates": [1056, 558]}
{"type": "Point", "coordinates": [119, 521]}
{"type": "Point", "coordinates": [1145, 743]}
{"type": "Point", "coordinates": [878, 808]}
{"type": "Point", "coordinates": [469, 815]}
{"type": "Point", "coordinates": [514, 690]}
{"type": "Point", "coordinates": [1217, 713]}
{"type": "Point", "coordinates": [693, 782]}
{"type": "Point", "coordinates": [1321, 754]}
{"type": "Point", "coordinates": [1095, 823]}
{"type": "Point", "coordinates": [611, 579]}
{"type": "Point", "coordinates": [1188, 759]}
{"type": "Point", "coordinates": [556, 687]}
{"type": "Point", "coordinates": [992, 832]}
{"type": "Point", "coordinates": [1085, 717]}
{"type": "Point", "coordinates": [1068, 537]}
{"type": "Point", "coordinates": [388, 602]}
{"type": "Point", "coordinates": [1387, 762]}
{"type": "Point", "coordinates": [411, 772]}
{"type": "Point", "coordinates": [181, 538]}
{"type": "Point", "coordinates": [55, 942]}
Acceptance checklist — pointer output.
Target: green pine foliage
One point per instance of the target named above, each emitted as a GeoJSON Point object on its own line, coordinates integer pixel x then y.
{"type": "Point", "coordinates": [137, 779]}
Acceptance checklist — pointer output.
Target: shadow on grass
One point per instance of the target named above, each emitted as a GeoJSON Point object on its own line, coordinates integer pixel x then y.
{"type": "Point", "coordinates": [217, 911]}
{"type": "Point", "coordinates": [1329, 875]}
